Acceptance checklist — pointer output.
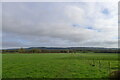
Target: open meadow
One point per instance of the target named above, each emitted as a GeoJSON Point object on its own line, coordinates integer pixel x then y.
{"type": "Point", "coordinates": [59, 65]}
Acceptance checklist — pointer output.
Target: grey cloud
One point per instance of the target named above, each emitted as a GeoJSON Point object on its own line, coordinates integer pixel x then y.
{"type": "Point", "coordinates": [102, 43]}
{"type": "Point", "coordinates": [11, 44]}
{"type": "Point", "coordinates": [51, 24]}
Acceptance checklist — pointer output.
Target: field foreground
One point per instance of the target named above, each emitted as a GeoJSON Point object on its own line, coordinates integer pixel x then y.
{"type": "Point", "coordinates": [56, 65]}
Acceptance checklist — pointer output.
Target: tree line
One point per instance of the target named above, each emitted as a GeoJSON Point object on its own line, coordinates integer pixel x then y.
{"type": "Point", "coordinates": [23, 50]}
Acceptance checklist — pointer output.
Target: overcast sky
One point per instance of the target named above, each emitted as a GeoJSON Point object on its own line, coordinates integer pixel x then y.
{"type": "Point", "coordinates": [59, 24]}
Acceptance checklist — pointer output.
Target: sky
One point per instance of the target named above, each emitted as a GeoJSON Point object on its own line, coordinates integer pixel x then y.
{"type": "Point", "coordinates": [59, 24]}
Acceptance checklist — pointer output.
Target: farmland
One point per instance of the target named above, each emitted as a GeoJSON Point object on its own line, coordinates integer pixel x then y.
{"type": "Point", "coordinates": [62, 65]}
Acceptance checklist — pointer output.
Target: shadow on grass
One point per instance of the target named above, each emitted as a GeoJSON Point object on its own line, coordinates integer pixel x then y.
{"type": "Point", "coordinates": [88, 58]}
{"type": "Point", "coordinates": [55, 79]}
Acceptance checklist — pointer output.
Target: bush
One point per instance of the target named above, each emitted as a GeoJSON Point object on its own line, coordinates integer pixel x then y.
{"type": "Point", "coordinates": [115, 74]}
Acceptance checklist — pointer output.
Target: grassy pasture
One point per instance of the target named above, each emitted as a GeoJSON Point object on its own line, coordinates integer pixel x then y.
{"type": "Point", "coordinates": [54, 65]}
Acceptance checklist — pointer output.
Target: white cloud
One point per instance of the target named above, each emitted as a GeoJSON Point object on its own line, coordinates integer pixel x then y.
{"type": "Point", "coordinates": [59, 0]}
{"type": "Point", "coordinates": [75, 14]}
{"type": "Point", "coordinates": [52, 24]}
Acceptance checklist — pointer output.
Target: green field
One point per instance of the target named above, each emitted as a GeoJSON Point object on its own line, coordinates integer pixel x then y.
{"type": "Point", "coordinates": [55, 65]}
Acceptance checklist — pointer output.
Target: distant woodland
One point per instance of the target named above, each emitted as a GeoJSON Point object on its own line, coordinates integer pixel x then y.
{"type": "Point", "coordinates": [61, 50]}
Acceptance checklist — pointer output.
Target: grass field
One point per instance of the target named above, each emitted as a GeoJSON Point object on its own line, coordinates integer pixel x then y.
{"type": "Point", "coordinates": [54, 65]}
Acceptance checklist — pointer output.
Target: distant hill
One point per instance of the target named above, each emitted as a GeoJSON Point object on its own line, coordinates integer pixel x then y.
{"type": "Point", "coordinates": [63, 50]}
{"type": "Point", "coordinates": [76, 48]}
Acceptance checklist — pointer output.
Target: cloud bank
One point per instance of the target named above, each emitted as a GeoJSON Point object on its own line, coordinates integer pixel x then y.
{"type": "Point", "coordinates": [63, 24]}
